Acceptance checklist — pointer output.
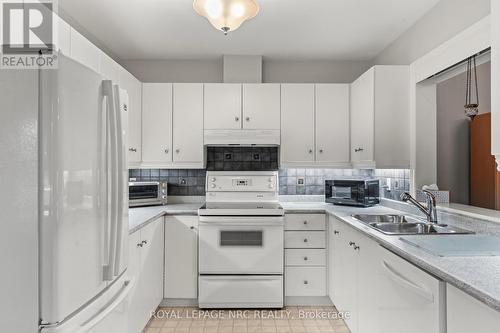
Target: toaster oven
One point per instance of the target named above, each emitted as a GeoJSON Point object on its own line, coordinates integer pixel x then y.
{"type": "Point", "coordinates": [147, 193]}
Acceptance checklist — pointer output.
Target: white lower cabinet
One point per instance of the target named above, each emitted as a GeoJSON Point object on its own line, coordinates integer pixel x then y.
{"type": "Point", "coordinates": [146, 265]}
{"type": "Point", "coordinates": [352, 276]}
{"type": "Point", "coordinates": [305, 255]}
{"type": "Point", "coordinates": [181, 253]}
{"type": "Point", "coordinates": [466, 314]}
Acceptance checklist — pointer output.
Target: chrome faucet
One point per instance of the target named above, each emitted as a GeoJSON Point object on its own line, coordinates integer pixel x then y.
{"type": "Point", "coordinates": [430, 211]}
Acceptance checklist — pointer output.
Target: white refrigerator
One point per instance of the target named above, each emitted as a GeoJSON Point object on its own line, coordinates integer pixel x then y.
{"type": "Point", "coordinates": [83, 201]}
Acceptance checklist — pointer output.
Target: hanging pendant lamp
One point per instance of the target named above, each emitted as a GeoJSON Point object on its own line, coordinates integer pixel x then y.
{"type": "Point", "coordinates": [226, 15]}
{"type": "Point", "coordinates": [471, 106]}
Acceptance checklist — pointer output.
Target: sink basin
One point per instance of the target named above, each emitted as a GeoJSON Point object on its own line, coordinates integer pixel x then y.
{"type": "Point", "coordinates": [404, 225]}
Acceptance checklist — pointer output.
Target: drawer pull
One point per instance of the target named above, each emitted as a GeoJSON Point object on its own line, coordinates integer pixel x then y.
{"type": "Point", "coordinates": [336, 232]}
{"type": "Point", "coordinates": [305, 258]}
{"type": "Point", "coordinates": [305, 222]}
{"type": "Point", "coordinates": [306, 282]}
{"type": "Point", "coordinates": [351, 243]}
{"type": "Point", "coordinates": [305, 240]}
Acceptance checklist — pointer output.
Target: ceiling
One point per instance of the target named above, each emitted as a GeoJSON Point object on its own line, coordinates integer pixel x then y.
{"type": "Point", "coordinates": [355, 30]}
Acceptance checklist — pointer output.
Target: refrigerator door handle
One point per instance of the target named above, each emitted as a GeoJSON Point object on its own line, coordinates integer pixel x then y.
{"type": "Point", "coordinates": [128, 285]}
{"type": "Point", "coordinates": [108, 92]}
{"type": "Point", "coordinates": [120, 179]}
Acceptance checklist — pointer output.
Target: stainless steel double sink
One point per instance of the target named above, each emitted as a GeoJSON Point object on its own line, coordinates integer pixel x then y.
{"type": "Point", "coordinates": [391, 224]}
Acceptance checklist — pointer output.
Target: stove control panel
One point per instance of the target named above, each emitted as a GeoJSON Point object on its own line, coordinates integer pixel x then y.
{"type": "Point", "coordinates": [254, 181]}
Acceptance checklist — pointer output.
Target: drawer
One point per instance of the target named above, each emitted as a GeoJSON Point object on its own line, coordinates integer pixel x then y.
{"type": "Point", "coordinates": [240, 291]}
{"type": "Point", "coordinates": [305, 281]}
{"type": "Point", "coordinates": [305, 257]}
{"type": "Point", "coordinates": [305, 222]}
{"type": "Point", "coordinates": [305, 239]}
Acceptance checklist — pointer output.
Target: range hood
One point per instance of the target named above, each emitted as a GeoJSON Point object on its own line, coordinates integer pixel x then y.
{"type": "Point", "coordinates": [242, 137]}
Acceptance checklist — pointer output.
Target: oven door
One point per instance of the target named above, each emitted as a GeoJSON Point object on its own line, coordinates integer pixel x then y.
{"type": "Point", "coordinates": [241, 245]}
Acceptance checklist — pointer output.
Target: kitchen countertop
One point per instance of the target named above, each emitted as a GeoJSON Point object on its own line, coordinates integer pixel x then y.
{"type": "Point", "coordinates": [476, 276]}
{"type": "Point", "coordinates": [141, 216]}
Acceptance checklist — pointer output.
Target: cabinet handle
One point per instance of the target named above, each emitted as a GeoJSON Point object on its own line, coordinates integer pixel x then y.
{"type": "Point", "coordinates": [351, 243]}
{"type": "Point", "coordinates": [336, 232]}
{"type": "Point", "coordinates": [321, 151]}
{"type": "Point", "coordinates": [191, 227]}
{"type": "Point", "coordinates": [144, 242]}
{"type": "Point", "coordinates": [134, 150]}
{"type": "Point", "coordinates": [305, 258]}
{"type": "Point", "coordinates": [166, 151]}
{"type": "Point", "coordinates": [306, 282]}
{"type": "Point", "coordinates": [356, 247]}
{"type": "Point", "coordinates": [305, 240]}
{"type": "Point", "coordinates": [177, 151]}
{"type": "Point", "coordinates": [248, 119]}
{"type": "Point", "coordinates": [140, 245]}
{"type": "Point", "coordinates": [310, 151]}
{"type": "Point", "coordinates": [236, 118]}
{"type": "Point", "coordinates": [357, 150]}
{"type": "Point", "coordinates": [305, 222]}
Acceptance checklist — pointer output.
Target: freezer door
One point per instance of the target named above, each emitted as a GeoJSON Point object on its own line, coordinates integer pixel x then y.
{"type": "Point", "coordinates": [78, 192]}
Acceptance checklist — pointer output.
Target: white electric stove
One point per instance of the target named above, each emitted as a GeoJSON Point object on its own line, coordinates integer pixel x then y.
{"type": "Point", "coordinates": [241, 241]}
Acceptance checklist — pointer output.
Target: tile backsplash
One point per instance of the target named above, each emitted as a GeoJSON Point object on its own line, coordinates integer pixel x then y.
{"type": "Point", "coordinates": [291, 181]}
{"type": "Point", "coordinates": [242, 158]}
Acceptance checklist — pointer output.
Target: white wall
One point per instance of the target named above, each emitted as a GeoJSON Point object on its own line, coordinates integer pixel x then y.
{"type": "Point", "coordinates": [445, 20]}
{"type": "Point", "coordinates": [189, 70]}
{"type": "Point", "coordinates": [287, 71]}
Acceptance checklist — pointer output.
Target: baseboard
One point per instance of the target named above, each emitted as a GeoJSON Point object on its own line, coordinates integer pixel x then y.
{"type": "Point", "coordinates": [308, 301]}
{"type": "Point", "coordinates": [180, 302]}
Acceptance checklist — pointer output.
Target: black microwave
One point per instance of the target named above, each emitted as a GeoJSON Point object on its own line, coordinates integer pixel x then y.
{"type": "Point", "coordinates": [353, 192]}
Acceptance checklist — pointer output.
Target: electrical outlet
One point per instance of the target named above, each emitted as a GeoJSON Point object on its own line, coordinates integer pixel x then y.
{"type": "Point", "coordinates": [301, 181]}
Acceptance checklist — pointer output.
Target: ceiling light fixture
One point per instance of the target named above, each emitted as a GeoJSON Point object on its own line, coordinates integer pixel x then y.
{"type": "Point", "coordinates": [226, 15]}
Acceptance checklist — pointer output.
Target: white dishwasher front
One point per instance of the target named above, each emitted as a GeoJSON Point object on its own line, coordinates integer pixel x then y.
{"type": "Point", "coordinates": [411, 300]}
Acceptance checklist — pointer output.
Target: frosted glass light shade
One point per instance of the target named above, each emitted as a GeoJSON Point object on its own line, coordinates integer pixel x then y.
{"type": "Point", "coordinates": [226, 15]}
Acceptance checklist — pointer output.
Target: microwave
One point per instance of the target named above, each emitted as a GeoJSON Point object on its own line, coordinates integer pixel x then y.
{"type": "Point", "coordinates": [353, 192]}
{"type": "Point", "coordinates": [147, 194]}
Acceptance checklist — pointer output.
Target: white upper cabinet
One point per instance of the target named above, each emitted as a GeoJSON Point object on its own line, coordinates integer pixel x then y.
{"type": "Point", "coordinates": [83, 51]}
{"type": "Point", "coordinates": [332, 124]}
{"type": "Point", "coordinates": [362, 118]}
{"type": "Point", "coordinates": [297, 123]}
{"type": "Point", "coordinates": [134, 89]}
{"type": "Point", "coordinates": [188, 123]}
{"type": "Point", "coordinates": [222, 106]}
{"type": "Point", "coordinates": [380, 118]}
{"type": "Point", "coordinates": [261, 106]}
{"type": "Point", "coordinates": [156, 124]}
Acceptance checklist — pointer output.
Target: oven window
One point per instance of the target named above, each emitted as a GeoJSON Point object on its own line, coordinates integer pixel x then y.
{"type": "Point", "coordinates": [241, 238]}
{"type": "Point", "coordinates": [143, 192]}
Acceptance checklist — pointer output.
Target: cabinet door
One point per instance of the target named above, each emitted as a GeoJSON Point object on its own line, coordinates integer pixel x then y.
{"type": "Point", "coordinates": [369, 253]}
{"type": "Point", "coordinates": [333, 244]}
{"type": "Point", "coordinates": [297, 123]}
{"type": "Point", "coordinates": [181, 266]}
{"type": "Point", "coordinates": [157, 123]}
{"type": "Point", "coordinates": [188, 123]}
{"type": "Point", "coordinates": [261, 106]}
{"type": "Point", "coordinates": [345, 277]}
{"type": "Point", "coordinates": [362, 117]}
{"type": "Point", "coordinates": [466, 314]}
{"type": "Point", "coordinates": [332, 123]}
{"type": "Point", "coordinates": [136, 318]}
{"type": "Point", "coordinates": [222, 104]}
{"type": "Point", "coordinates": [151, 282]}
{"type": "Point", "coordinates": [134, 90]}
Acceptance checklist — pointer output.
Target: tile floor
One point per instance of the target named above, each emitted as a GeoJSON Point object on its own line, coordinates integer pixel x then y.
{"type": "Point", "coordinates": [288, 320]}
